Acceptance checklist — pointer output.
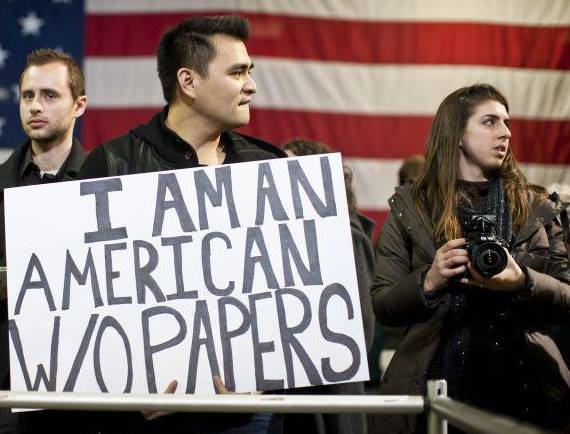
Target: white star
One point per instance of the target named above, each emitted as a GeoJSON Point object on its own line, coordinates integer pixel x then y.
{"type": "Point", "coordinates": [16, 92]}
{"type": "Point", "coordinates": [2, 123]}
{"type": "Point", "coordinates": [4, 94]}
{"type": "Point", "coordinates": [4, 54]}
{"type": "Point", "coordinates": [31, 24]}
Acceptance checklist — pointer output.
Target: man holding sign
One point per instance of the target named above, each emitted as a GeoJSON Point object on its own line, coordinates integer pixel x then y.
{"type": "Point", "coordinates": [163, 280]}
{"type": "Point", "coordinates": [205, 72]}
{"type": "Point", "coordinates": [52, 97]}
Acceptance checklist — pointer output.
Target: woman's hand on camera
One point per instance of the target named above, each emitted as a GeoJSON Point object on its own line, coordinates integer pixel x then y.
{"type": "Point", "coordinates": [512, 278]}
{"type": "Point", "coordinates": [450, 261]}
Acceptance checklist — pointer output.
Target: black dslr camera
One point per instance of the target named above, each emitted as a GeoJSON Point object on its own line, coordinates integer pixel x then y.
{"type": "Point", "coordinates": [485, 249]}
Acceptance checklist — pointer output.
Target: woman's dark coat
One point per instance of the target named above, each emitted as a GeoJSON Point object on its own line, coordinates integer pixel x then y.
{"type": "Point", "coordinates": [406, 251]}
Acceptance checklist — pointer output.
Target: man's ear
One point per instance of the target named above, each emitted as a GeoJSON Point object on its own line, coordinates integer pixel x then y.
{"type": "Point", "coordinates": [187, 81]}
{"type": "Point", "coordinates": [80, 105]}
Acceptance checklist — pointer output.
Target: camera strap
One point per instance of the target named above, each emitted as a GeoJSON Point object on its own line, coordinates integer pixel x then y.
{"type": "Point", "coordinates": [565, 227]}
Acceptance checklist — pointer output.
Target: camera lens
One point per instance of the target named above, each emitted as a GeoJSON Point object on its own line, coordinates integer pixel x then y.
{"type": "Point", "coordinates": [490, 258]}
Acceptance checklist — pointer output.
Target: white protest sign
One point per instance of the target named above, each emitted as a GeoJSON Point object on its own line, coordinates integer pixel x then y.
{"type": "Point", "coordinates": [244, 271]}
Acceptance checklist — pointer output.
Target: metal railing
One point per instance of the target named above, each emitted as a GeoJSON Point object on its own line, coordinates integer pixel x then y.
{"type": "Point", "coordinates": [441, 409]}
{"type": "Point", "coordinates": [218, 403]}
{"type": "Point", "coordinates": [444, 410]}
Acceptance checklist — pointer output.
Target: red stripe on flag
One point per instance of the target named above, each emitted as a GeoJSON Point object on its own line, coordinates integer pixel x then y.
{"type": "Point", "coordinates": [101, 125]}
{"type": "Point", "coordinates": [382, 137]}
{"type": "Point", "coordinates": [378, 136]}
{"type": "Point", "coordinates": [354, 135]}
{"type": "Point", "coordinates": [353, 41]}
{"type": "Point", "coordinates": [371, 136]}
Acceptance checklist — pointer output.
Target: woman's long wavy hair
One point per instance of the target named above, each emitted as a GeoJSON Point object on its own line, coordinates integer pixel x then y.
{"type": "Point", "coordinates": [436, 190]}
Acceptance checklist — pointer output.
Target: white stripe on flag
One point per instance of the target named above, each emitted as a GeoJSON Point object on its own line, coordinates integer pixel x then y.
{"type": "Point", "coordinates": [373, 181]}
{"type": "Point", "coordinates": [524, 12]}
{"type": "Point", "coordinates": [122, 82]}
{"type": "Point", "coordinates": [547, 174]}
{"type": "Point", "coordinates": [343, 87]}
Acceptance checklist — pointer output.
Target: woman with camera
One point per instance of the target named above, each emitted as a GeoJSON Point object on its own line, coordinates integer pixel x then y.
{"type": "Point", "coordinates": [472, 261]}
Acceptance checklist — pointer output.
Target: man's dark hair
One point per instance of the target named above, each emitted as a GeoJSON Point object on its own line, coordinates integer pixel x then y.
{"type": "Point", "coordinates": [302, 147]}
{"type": "Point", "coordinates": [44, 56]}
{"type": "Point", "coordinates": [411, 169]}
{"type": "Point", "coordinates": [188, 45]}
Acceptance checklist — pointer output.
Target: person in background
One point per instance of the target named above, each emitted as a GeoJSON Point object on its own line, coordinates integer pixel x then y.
{"type": "Point", "coordinates": [361, 228]}
{"type": "Point", "coordinates": [52, 98]}
{"type": "Point", "coordinates": [486, 336]}
{"type": "Point", "coordinates": [410, 169]}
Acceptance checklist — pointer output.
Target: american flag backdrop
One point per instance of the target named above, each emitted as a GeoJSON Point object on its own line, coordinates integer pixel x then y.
{"type": "Point", "coordinates": [364, 76]}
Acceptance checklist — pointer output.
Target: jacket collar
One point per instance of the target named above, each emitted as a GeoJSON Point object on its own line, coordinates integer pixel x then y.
{"type": "Point", "coordinates": [179, 153]}
{"type": "Point", "coordinates": [12, 169]}
{"type": "Point", "coordinates": [9, 169]}
{"type": "Point", "coordinates": [70, 168]}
